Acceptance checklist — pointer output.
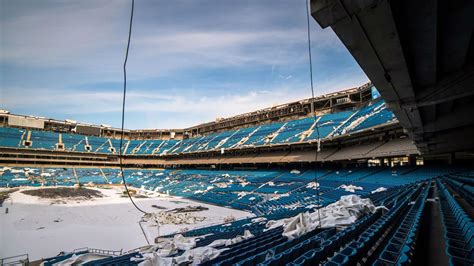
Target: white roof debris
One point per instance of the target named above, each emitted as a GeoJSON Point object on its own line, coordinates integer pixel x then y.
{"type": "Point", "coordinates": [380, 189]}
{"type": "Point", "coordinates": [228, 242]}
{"type": "Point", "coordinates": [312, 185]}
{"type": "Point", "coordinates": [341, 213]}
{"type": "Point", "coordinates": [350, 188]}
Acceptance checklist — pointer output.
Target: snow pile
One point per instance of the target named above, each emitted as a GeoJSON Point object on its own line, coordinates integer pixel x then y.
{"type": "Point", "coordinates": [361, 119]}
{"type": "Point", "coordinates": [3, 169]}
{"type": "Point", "coordinates": [341, 213]}
{"type": "Point", "coordinates": [312, 185]}
{"type": "Point", "coordinates": [242, 194]}
{"type": "Point", "coordinates": [17, 171]}
{"type": "Point", "coordinates": [222, 142]}
{"type": "Point", "coordinates": [203, 191]}
{"type": "Point", "coordinates": [294, 171]}
{"type": "Point", "coordinates": [172, 218]}
{"type": "Point", "coordinates": [350, 188]}
{"type": "Point", "coordinates": [221, 185]}
{"type": "Point", "coordinates": [354, 124]}
{"type": "Point", "coordinates": [244, 183]}
{"type": "Point", "coordinates": [29, 171]}
{"type": "Point", "coordinates": [380, 189]}
{"type": "Point", "coordinates": [278, 196]}
{"type": "Point", "coordinates": [228, 242]}
{"type": "Point", "coordinates": [19, 179]}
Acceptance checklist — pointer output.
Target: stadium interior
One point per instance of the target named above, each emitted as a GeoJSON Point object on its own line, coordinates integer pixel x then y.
{"type": "Point", "coordinates": [404, 141]}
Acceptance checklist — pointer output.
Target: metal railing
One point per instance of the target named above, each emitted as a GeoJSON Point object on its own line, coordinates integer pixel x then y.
{"type": "Point", "coordinates": [99, 251]}
{"type": "Point", "coordinates": [22, 259]}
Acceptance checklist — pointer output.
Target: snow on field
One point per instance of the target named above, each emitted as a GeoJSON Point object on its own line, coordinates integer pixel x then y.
{"type": "Point", "coordinates": [44, 227]}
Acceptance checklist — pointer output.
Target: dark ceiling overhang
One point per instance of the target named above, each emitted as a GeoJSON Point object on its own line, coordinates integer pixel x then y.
{"type": "Point", "coordinates": [419, 55]}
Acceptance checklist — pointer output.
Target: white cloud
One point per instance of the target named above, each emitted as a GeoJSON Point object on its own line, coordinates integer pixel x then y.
{"type": "Point", "coordinates": [192, 107]}
{"type": "Point", "coordinates": [77, 44]}
{"type": "Point", "coordinates": [90, 37]}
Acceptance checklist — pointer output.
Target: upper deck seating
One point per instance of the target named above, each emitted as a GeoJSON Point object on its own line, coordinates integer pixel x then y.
{"type": "Point", "coordinates": [11, 137]}
{"type": "Point", "coordinates": [303, 129]}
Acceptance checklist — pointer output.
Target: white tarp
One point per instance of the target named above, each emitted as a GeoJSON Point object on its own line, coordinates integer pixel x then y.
{"type": "Point", "coordinates": [194, 257]}
{"type": "Point", "coordinates": [228, 242]}
{"type": "Point", "coordinates": [159, 254]}
{"type": "Point", "coordinates": [81, 259]}
{"type": "Point", "coordinates": [184, 243]}
{"type": "Point", "coordinates": [341, 213]}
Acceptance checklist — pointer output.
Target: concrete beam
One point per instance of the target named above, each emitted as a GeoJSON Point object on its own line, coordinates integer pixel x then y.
{"type": "Point", "coordinates": [457, 33]}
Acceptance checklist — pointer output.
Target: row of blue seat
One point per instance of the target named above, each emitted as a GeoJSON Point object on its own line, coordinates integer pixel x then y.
{"type": "Point", "coordinates": [357, 249]}
{"type": "Point", "coordinates": [370, 224]}
{"type": "Point", "coordinates": [400, 247]}
{"type": "Point", "coordinates": [458, 228]}
{"type": "Point", "coordinates": [466, 190]}
{"type": "Point", "coordinates": [262, 191]}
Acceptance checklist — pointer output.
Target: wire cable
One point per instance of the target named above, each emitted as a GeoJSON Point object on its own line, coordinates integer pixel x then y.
{"type": "Point", "coordinates": [123, 109]}
{"type": "Point", "coordinates": [318, 148]}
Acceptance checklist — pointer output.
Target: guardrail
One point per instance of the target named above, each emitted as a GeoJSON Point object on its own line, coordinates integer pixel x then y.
{"type": "Point", "coordinates": [22, 259]}
{"type": "Point", "coordinates": [99, 251]}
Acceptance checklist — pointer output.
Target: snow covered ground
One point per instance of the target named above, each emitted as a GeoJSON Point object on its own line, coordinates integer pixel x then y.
{"type": "Point", "coordinates": [44, 227]}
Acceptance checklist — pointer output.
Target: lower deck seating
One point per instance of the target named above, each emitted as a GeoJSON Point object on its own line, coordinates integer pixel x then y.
{"type": "Point", "coordinates": [397, 249]}
{"type": "Point", "coordinates": [463, 186]}
{"type": "Point", "coordinates": [365, 230]}
{"type": "Point", "coordinates": [61, 257]}
{"type": "Point", "coordinates": [458, 229]}
{"type": "Point", "coordinates": [389, 237]}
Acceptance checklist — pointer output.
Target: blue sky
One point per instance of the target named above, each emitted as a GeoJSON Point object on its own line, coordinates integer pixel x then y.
{"type": "Point", "coordinates": [189, 62]}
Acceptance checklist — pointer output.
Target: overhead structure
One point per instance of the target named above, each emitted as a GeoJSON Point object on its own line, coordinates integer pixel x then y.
{"type": "Point", "coordinates": [420, 56]}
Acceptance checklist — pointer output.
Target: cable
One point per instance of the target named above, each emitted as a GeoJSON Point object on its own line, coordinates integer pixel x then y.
{"type": "Point", "coordinates": [313, 114]}
{"type": "Point", "coordinates": [123, 109]}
